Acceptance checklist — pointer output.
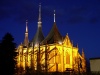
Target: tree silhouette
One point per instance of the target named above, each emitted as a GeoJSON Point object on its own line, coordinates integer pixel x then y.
{"type": "Point", "coordinates": [7, 55]}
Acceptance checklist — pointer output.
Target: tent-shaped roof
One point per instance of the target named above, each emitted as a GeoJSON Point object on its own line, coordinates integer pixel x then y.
{"type": "Point", "coordinates": [38, 37]}
{"type": "Point", "coordinates": [53, 36]}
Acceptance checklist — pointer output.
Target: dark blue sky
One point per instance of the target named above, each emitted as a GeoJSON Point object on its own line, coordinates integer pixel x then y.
{"type": "Point", "coordinates": [79, 18]}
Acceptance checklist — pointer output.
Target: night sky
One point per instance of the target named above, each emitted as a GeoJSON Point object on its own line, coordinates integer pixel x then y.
{"type": "Point", "coordinates": [79, 18]}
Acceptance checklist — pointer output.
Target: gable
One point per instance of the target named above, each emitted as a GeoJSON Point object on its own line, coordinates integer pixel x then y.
{"type": "Point", "coordinates": [67, 41]}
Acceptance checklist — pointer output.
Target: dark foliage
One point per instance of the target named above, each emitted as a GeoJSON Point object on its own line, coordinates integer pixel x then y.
{"type": "Point", "coordinates": [7, 55]}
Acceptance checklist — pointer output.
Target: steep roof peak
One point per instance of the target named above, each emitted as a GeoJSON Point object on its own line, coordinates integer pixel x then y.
{"type": "Point", "coordinates": [54, 36]}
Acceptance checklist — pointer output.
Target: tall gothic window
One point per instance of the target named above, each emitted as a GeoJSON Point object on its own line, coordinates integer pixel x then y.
{"type": "Point", "coordinates": [67, 58]}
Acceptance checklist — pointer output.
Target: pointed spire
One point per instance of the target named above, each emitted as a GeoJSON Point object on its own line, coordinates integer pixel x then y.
{"type": "Point", "coordinates": [54, 17]}
{"type": "Point", "coordinates": [72, 42]}
{"type": "Point", "coordinates": [77, 45]}
{"type": "Point", "coordinates": [26, 26]}
{"type": "Point", "coordinates": [21, 43]}
{"type": "Point", "coordinates": [67, 34]}
{"type": "Point", "coordinates": [83, 55]}
{"type": "Point", "coordinates": [39, 34]}
{"type": "Point", "coordinates": [39, 19]}
{"type": "Point", "coordinates": [26, 35]}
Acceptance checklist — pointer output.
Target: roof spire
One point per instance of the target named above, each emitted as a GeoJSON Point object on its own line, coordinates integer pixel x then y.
{"type": "Point", "coordinates": [67, 34]}
{"type": "Point", "coordinates": [83, 55]}
{"type": "Point", "coordinates": [39, 19]}
{"type": "Point", "coordinates": [72, 42]}
{"type": "Point", "coordinates": [54, 16]}
{"type": "Point", "coordinates": [26, 26]}
{"type": "Point", "coordinates": [39, 37]}
{"type": "Point", "coordinates": [77, 45]}
{"type": "Point", "coordinates": [26, 35]}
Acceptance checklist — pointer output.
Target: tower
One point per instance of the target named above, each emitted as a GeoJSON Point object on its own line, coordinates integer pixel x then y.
{"type": "Point", "coordinates": [26, 41]}
{"type": "Point", "coordinates": [39, 34]}
{"type": "Point", "coordinates": [54, 35]}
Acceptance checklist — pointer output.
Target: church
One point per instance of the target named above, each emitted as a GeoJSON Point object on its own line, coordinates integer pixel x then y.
{"type": "Point", "coordinates": [51, 53]}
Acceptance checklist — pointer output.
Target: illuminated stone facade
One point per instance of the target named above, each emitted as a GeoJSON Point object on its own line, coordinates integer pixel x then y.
{"type": "Point", "coordinates": [52, 53]}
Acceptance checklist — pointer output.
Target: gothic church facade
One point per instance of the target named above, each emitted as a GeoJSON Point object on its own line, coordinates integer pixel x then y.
{"type": "Point", "coordinates": [52, 53]}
